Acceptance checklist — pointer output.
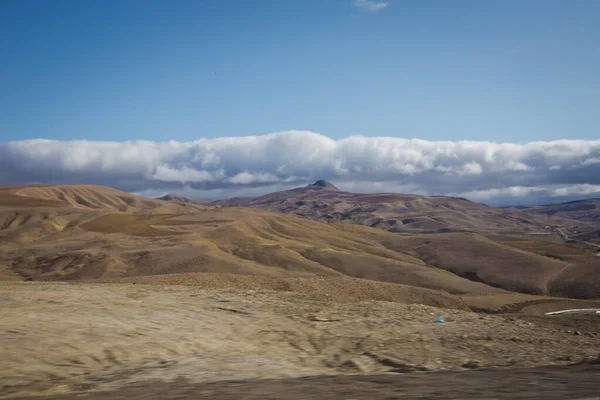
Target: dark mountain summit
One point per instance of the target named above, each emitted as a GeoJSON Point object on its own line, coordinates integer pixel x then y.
{"type": "Point", "coordinates": [175, 198]}
{"type": "Point", "coordinates": [405, 213]}
{"type": "Point", "coordinates": [395, 212]}
{"type": "Point", "coordinates": [323, 183]}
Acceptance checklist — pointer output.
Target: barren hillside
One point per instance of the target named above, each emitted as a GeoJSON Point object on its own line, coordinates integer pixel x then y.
{"type": "Point", "coordinates": [583, 210]}
{"type": "Point", "coordinates": [149, 291]}
{"type": "Point", "coordinates": [585, 215]}
{"type": "Point", "coordinates": [182, 199]}
{"type": "Point", "coordinates": [322, 201]}
{"type": "Point", "coordinates": [79, 196]}
{"type": "Point", "coordinates": [51, 235]}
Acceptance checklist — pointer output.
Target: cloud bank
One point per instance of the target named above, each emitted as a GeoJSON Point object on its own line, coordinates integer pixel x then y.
{"type": "Point", "coordinates": [371, 5]}
{"type": "Point", "coordinates": [494, 173]}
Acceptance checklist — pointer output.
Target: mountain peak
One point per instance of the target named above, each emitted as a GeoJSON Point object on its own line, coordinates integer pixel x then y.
{"type": "Point", "coordinates": [324, 184]}
{"type": "Point", "coordinates": [173, 197]}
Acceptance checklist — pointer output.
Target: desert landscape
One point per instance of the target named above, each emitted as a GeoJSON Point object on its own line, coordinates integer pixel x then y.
{"type": "Point", "coordinates": [323, 201]}
{"type": "Point", "coordinates": [113, 295]}
{"type": "Point", "coordinates": [296, 200]}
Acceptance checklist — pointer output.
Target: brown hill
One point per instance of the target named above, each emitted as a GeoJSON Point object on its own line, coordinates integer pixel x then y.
{"type": "Point", "coordinates": [584, 214]}
{"type": "Point", "coordinates": [28, 213]}
{"type": "Point", "coordinates": [322, 201]}
{"type": "Point", "coordinates": [77, 196]}
{"type": "Point", "coordinates": [590, 236]}
{"type": "Point", "coordinates": [583, 210]}
{"type": "Point", "coordinates": [176, 198]}
{"type": "Point", "coordinates": [82, 241]}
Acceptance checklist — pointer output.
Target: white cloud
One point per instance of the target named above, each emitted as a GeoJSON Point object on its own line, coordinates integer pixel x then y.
{"type": "Point", "coordinates": [246, 178]}
{"type": "Point", "coordinates": [528, 195]}
{"type": "Point", "coordinates": [371, 5]}
{"type": "Point", "coordinates": [232, 166]}
{"type": "Point", "coordinates": [185, 174]}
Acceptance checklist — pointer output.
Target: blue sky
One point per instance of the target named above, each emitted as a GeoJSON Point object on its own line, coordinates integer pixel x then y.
{"type": "Point", "coordinates": [497, 101]}
{"type": "Point", "coordinates": [503, 71]}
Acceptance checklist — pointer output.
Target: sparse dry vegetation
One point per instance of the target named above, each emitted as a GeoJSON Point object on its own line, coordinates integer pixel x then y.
{"type": "Point", "coordinates": [147, 289]}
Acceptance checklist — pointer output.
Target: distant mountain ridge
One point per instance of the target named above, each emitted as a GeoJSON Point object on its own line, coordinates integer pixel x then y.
{"type": "Point", "coordinates": [584, 210]}
{"type": "Point", "coordinates": [81, 232]}
{"type": "Point", "coordinates": [173, 197]}
{"type": "Point", "coordinates": [323, 201]}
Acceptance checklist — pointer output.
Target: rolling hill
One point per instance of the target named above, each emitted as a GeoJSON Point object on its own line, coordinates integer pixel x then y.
{"type": "Point", "coordinates": [582, 210]}
{"type": "Point", "coordinates": [181, 199]}
{"type": "Point", "coordinates": [28, 213]}
{"type": "Point", "coordinates": [78, 196]}
{"type": "Point", "coordinates": [585, 215]}
{"type": "Point", "coordinates": [88, 232]}
{"type": "Point", "coordinates": [404, 213]}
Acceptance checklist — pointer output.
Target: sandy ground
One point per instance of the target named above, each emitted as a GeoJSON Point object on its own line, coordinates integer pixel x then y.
{"type": "Point", "coordinates": [548, 383]}
{"type": "Point", "coordinates": [59, 338]}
